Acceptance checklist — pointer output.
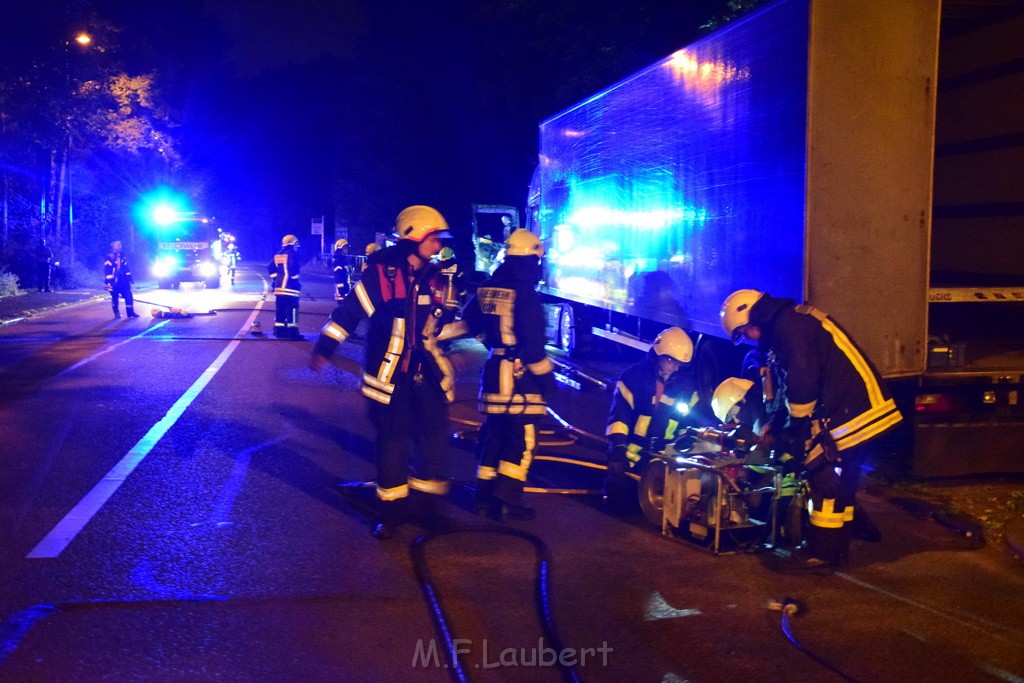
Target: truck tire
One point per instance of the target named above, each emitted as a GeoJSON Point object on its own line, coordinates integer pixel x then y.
{"type": "Point", "coordinates": [163, 284]}
{"type": "Point", "coordinates": [752, 364]}
{"type": "Point", "coordinates": [573, 335]}
{"type": "Point", "coordinates": [213, 283]}
{"type": "Point", "coordinates": [714, 360]}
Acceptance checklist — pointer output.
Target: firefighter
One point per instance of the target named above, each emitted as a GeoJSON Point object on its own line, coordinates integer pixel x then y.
{"type": "Point", "coordinates": [371, 249]}
{"type": "Point", "coordinates": [342, 269]}
{"type": "Point", "coordinates": [408, 379]}
{"type": "Point", "coordinates": [652, 400]}
{"type": "Point", "coordinates": [828, 403]}
{"type": "Point", "coordinates": [284, 273]}
{"type": "Point", "coordinates": [231, 258]}
{"type": "Point", "coordinates": [516, 377]}
{"type": "Point", "coordinates": [43, 258]}
{"type": "Point", "coordinates": [117, 276]}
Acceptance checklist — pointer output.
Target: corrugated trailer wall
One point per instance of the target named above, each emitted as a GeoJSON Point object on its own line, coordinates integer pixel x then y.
{"type": "Point", "coordinates": [978, 227]}
{"type": "Point", "coordinates": [870, 131]}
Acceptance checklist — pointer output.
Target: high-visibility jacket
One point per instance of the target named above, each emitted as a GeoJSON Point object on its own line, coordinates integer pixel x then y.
{"type": "Point", "coordinates": [644, 407]}
{"type": "Point", "coordinates": [407, 320]}
{"type": "Point", "coordinates": [507, 311]}
{"type": "Point", "coordinates": [284, 271]}
{"type": "Point", "coordinates": [823, 374]}
{"type": "Point", "coordinates": [116, 271]}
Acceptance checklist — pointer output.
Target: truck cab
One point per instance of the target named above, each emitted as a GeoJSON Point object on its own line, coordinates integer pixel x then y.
{"type": "Point", "coordinates": [187, 258]}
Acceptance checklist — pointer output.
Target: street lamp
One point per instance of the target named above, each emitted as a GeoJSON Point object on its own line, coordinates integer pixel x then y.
{"type": "Point", "coordinates": [84, 40]}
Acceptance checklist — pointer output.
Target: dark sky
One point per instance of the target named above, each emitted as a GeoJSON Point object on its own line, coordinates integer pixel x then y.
{"type": "Point", "coordinates": [353, 109]}
{"type": "Point", "coordinates": [357, 108]}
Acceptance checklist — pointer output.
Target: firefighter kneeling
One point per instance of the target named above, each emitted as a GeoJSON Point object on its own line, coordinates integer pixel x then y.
{"type": "Point", "coordinates": [652, 400]}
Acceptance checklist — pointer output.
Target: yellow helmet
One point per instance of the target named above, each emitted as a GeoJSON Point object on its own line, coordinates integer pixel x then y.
{"type": "Point", "coordinates": [736, 311]}
{"type": "Point", "coordinates": [416, 222]}
{"type": "Point", "coordinates": [371, 248]}
{"type": "Point", "coordinates": [340, 243]}
{"type": "Point", "coordinates": [522, 242]}
{"type": "Point", "coordinates": [730, 392]}
{"type": "Point", "coordinates": [674, 342]}
{"type": "Point", "coordinates": [289, 239]}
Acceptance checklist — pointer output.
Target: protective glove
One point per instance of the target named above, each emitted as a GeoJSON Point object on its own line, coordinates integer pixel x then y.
{"type": "Point", "coordinates": [657, 444]}
{"type": "Point", "coordinates": [109, 287]}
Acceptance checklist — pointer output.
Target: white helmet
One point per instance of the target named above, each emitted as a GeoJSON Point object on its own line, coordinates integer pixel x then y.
{"type": "Point", "coordinates": [416, 222]}
{"type": "Point", "coordinates": [340, 243]}
{"type": "Point", "coordinates": [730, 392]}
{"type": "Point", "coordinates": [289, 239]}
{"type": "Point", "coordinates": [736, 311]}
{"type": "Point", "coordinates": [522, 242]}
{"type": "Point", "coordinates": [674, 342]}
{"type": "Point", "coordinates": [371, 248]}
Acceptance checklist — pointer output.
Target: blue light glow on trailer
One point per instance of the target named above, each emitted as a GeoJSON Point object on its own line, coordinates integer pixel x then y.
{"type": "Point", "coordinates": [680, 174]}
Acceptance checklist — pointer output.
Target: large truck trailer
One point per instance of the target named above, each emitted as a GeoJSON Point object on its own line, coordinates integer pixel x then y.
{"type": "Point", "coordinates": [794, 152]}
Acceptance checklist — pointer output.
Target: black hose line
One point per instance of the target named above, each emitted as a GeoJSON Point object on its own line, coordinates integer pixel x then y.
{"type": "Point", "coordinates": [787, 629]}
{"type": "Point", "coordinates": [542, 594]}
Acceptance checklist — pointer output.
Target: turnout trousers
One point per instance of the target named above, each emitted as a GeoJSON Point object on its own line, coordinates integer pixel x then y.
{"type": "Point", "coordinates": [125, 292]}
{"type": "Point", "coordinates": [831, 506]}
{"type": "Point", "coordinates": [286, 315]}
{"type": "Point", "coordinates": [505, 453]}
{"type": "Point", "coordinates": [416, 417]}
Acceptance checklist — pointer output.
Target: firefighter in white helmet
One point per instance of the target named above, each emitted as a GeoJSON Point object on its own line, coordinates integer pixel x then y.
{"type": "Point", "coordinates": [652, 400]}
{"type": "Point", "coordinates": [516, 379]}
{"type": "Point", "coordinates": [831, 403]}
{"type": "Point", "coordinates": [284, 274]}
{"type": "Point", "coordinates": [407, 379]}
{"type": "Point", "coordinates": [342, 268]}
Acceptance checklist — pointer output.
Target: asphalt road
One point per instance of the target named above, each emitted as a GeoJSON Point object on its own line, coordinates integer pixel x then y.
{"type": "Point", "coordinates": [169, 510]}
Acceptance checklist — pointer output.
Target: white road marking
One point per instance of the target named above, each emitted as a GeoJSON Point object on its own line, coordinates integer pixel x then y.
{"type": "Point", "coordinates": [74, 521]}
{"type": "Point", "coordinates": [932, 610]}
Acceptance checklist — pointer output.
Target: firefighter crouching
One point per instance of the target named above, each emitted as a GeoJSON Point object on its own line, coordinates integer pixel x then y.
{"type": "Point", "coordinates": [284, 273]}
{"type": "Point", "coordinates": [828, 402]}
{"type": "Point", "coordinates": [408, 379]}
{"type": "Point", "coordinates": [516, 377]}
{"type": "Point", "coordinates": [652, 399]}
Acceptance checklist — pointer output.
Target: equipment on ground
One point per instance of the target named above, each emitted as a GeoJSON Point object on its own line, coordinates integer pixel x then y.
{"type": "Point", "coordinates": [712, 488]}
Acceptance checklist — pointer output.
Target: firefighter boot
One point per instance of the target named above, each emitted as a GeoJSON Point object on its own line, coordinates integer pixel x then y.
{"type": "Point", "coordinates": [391, 515]}
{"type": "Point", "coordinates": [130, 313]}
{"type": "Point", "coordinates": [117, 313]}
{"type": "Point", "coordinates": [483, 499]}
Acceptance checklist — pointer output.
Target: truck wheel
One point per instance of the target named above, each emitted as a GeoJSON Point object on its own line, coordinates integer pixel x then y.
{"type": "Point", "coordinates": [752, 364]}
{"type": "Point", "coordinates": [213, 284]}
{"type": "Point", "coordinates": [163, 284]}
{"type": "Point", "coordinates": [572, 333]}
{"type": "Point", "coordinates": [713, 363]}
{"type": "Point", "coordinates": [651, 492]}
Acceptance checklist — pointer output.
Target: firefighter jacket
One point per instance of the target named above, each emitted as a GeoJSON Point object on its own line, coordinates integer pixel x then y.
{"type": "Point", "coordinates": [116, 271]}
{"type": "Point", "coordinates": [823, 377]}
{"type": "Point", "coordinates": [340, 264]}
{"type": "Point", "coordinates": [232, 256]}
{"type": "Point", "coordinates": [645, 408]}
{"type": "Point", "coordinates": [284, 271]}
{"type": "Point", "coordinates": [407, 320]}
{"type": "Point", "coordinates": [507, 311]}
